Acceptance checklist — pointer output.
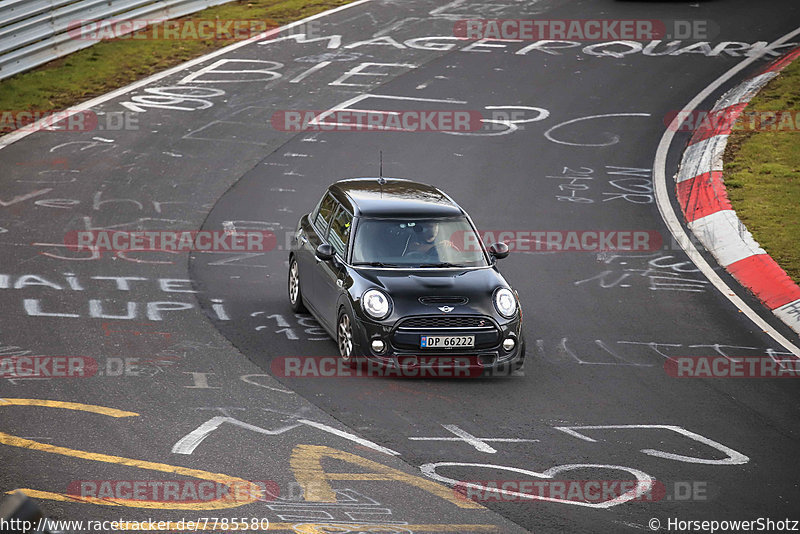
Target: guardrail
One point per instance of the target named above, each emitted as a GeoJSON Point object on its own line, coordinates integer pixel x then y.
{"type": "Point", "coordinates": [33, 32]}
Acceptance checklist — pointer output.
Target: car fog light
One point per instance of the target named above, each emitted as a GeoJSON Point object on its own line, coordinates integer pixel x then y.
{"type": "Point", "coordinates": [508, 343]}
{"type": "Point", "coordinates": [378, 345]}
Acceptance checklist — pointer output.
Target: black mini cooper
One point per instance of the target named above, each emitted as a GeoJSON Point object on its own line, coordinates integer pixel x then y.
{"type": "Point", "coordinates": [395, 272]}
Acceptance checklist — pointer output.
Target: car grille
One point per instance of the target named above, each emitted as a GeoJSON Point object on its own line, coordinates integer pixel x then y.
{"type": "Point", "coordinates": [447, 321]}
{"type": "Point", "coordinates": [406, 335]}
{"type": "Point", "coordinates": [439, 301]}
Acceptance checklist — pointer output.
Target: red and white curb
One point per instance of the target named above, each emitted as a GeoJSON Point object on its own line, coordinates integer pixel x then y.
{"type": "Point", "coordinates": [703, 199]}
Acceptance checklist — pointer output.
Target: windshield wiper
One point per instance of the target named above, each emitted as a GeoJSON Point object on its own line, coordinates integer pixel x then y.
{"type": "Point", "coordinates": [443, 264]}
{"type": "Point", "coordinates": [374, 264]}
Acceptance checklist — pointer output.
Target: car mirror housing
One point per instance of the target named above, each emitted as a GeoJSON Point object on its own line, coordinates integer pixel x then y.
{"type": "Point", "coordinates": [324, 252]}
{"type": "Point", "coordinates": [499, 250]}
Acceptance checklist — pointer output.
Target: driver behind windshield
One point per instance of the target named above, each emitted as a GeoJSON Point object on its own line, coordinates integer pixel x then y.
{"type": "Point", "coordinates": [424, 240]}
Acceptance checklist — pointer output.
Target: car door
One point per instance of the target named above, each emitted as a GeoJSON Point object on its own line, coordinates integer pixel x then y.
{"type": "Point", "coordinates": [331, 273]}
{"type": "Point", "coordinates": [312, 234]}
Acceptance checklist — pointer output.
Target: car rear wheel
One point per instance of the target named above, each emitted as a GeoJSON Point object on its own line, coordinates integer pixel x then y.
{"type": "Point", "coordinates": [295, 293]}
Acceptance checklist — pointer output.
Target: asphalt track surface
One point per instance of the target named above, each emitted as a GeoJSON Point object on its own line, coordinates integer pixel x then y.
{"type": "Point", "coordinates": [599, 326]}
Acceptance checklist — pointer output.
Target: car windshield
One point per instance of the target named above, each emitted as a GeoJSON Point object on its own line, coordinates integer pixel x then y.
{"type": "Point", "coordinates": [449, 242]}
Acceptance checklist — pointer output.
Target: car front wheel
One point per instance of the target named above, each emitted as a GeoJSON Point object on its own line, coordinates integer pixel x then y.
{"type": "Point", "coordinates": [295, 294]}
{"type": "Point", "coordinates": [344, 338]}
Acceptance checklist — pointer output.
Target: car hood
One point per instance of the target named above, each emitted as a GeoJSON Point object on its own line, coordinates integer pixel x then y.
{"type": "Point", "coordinates": [424, 291]}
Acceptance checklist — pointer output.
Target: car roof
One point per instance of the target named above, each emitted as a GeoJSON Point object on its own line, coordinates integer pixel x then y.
{"type": "Point", "coordinates": [394, 197]}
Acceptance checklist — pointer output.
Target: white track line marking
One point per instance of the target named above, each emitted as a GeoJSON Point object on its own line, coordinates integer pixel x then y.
{"type": "Point", "coordinates": [733, 457]}
{"type": "Point", "coordinates": [481, 444]}
{"type": "Point", "coordinates": [16, 136]}
{"type": "Point", "coordinates": [348, 435]}
{"type": "Point", "coordinates": [672, 221]}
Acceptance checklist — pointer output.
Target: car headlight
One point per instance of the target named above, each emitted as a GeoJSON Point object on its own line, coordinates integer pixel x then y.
{"type": "Point", "coordinates": [505, 303]}
{"type": "Point", "coordinates": [376, 303]}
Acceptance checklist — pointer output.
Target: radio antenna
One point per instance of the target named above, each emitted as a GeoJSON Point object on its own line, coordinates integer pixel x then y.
{"type": "Point", "coordinates": [381, 179]}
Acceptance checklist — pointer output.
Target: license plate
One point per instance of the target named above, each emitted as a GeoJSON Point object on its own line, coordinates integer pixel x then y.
{"type": "Point", "coordinates": [446, 342]}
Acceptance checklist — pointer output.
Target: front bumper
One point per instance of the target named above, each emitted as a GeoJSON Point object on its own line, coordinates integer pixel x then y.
{"type": "Point", "coordinates": [402, 344]}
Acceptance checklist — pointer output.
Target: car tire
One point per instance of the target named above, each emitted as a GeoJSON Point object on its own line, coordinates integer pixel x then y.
{"type": "Point", "coordinates": [295, 293]}
{"type": "Point", "coordinates": [345, 339]}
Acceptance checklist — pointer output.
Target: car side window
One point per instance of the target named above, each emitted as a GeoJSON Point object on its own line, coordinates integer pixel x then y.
{"type": "Point", "coordinates": [340, 231]}
{"type": "Point", "coordinates": [323, 215]}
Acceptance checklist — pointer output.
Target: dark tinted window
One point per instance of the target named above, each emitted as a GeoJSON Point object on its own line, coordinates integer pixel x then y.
{"type": "Point", "coordinates": [324, 213]}
{"type": "Point", "coordinates": [340, 231]}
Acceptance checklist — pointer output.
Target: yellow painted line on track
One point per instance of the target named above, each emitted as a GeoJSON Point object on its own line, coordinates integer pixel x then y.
{"type": "Point", "coordinates": [77, 406]}
{"type": "Point", "coordinates": [246, 493]}
{"type": "Point", "coordinates": [306, 464]}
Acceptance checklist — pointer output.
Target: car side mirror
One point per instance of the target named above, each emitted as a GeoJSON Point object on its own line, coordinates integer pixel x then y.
{"type": "Point", "coordinates": [324, 252]}
{"type": "Point", "coordinates": [499, 250]}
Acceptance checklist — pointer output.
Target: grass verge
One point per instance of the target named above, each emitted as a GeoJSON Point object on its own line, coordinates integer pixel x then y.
{"type": "Point", "coordinates": [762, 174]}
{"type": "Point", "coordinates": [115, 63]}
